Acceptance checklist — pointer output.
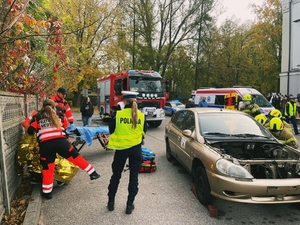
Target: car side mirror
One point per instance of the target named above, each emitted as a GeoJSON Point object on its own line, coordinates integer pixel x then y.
{"type": "Point", "coordinates": [187, 133]}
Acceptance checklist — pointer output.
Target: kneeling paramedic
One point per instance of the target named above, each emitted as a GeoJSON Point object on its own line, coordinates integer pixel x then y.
{"type": "Point", "coordinates": [52, 139]}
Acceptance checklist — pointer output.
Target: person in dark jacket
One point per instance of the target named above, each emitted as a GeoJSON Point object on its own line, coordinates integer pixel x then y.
{"type": "Point", "coordinates": [87, 111]}
{"type": "Point", "coordinates": [190, 104]}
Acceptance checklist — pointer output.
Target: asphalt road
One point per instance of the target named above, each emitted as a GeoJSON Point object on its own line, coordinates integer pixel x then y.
{"type": "Point", "coordinates": [164, 197]}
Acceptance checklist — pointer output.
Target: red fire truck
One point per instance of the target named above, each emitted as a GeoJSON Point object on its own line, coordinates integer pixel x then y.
{"type": "Point", "coordinates": [147, 83]}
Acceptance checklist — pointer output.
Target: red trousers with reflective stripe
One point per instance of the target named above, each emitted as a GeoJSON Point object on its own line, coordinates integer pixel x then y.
{"type": "Point", "coordinates": [48, 150]}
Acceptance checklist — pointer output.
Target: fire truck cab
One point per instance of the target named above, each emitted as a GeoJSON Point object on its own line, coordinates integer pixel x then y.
{"type": "Point", "coordinates": [147, 83]}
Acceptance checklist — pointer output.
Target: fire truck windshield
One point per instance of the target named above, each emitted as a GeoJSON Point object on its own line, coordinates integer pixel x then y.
{"type": "Point", "coordinates": [145, 85]}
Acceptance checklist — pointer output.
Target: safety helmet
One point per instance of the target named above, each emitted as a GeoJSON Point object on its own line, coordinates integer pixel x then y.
{"type": "Point", "coordinates": [261, 118]}
{"type": "Point", "coordinates": [62, 90]}
{"type": "Point", "coordinates": [276, 124]}
{"type": "Point", "coordinates": [247, 97]}
{"type": "Point", "coordinates": [275, 113]}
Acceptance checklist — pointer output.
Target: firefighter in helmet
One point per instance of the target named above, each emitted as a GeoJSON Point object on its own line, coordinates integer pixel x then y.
{"type": "Point", "coordinates": [281, 133]}
{"type": "Point", "coordinates": [275, 113]}
{"type": "Point", "coordinates": [249, 106]}
{"type": "Point", "coordinates": [261, 118]}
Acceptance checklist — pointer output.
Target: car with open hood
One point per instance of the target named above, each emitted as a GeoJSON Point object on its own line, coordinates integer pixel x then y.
{"type": "Point", "coordinates": [233, 157]}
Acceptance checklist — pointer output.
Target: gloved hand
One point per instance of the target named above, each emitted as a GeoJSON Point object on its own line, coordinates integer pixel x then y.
{"type": "Point", "coordinates": [250, 106]}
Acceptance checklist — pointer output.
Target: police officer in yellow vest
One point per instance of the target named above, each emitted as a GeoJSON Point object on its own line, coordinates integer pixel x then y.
{"type": "Point", "coordinates": [127, 130]}
{"type": "Point", "coordinates": [290, 113]}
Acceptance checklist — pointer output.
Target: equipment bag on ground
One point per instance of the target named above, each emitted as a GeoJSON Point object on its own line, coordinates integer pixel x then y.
{"type": "Point", "coordinates": [149, 162]}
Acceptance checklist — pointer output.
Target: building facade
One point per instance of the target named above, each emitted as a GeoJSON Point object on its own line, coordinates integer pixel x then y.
{"type": "Point", "coordinates": [290, 63]}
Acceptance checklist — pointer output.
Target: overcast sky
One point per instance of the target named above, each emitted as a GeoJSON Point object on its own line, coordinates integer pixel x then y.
{"type": "Point", "coordinates": [239, 8]}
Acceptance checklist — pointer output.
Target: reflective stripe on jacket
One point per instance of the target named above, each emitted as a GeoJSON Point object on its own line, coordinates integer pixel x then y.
{"type": "Point", "coordinates": [65, 106]}
{"type": "Point", "coordinates": [124, 135]}
{"type": "Point", "coordinates": [44, 131]}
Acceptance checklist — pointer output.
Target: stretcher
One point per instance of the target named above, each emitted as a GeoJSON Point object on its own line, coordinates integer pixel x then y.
{"type": "Point", "coordinates": [80, 136]}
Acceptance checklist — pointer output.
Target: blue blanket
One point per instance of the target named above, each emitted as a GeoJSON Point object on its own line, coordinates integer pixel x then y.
{"type": "Point", "coordinates": [88, 133]}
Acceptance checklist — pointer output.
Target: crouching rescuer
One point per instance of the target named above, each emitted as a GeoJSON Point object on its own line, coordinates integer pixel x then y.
{"type": "Point", "coordinates": [52, 139]}
{"type": "Point", "coordinates": [127, 130]}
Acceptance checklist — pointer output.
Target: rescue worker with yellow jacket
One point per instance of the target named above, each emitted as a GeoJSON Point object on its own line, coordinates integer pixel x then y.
{"type": "Point", "coordinates": [249, 106]}
{"type": "Point", "coordinates": [290, 113]}
{"type": "Point", "coordinates": [127, 130]}
{"type": "Point", "coordinates": [281, 133]}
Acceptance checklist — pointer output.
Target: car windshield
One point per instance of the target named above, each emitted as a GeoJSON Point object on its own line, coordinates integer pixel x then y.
{"type": "Point", "coordinates": [232, 124]}
{"type": "Point", "coordinates": [145, 85]}
{"type": "Point", "coordinates": [261, 101]}
{"type": "Point", "coordinates": [177, 104]}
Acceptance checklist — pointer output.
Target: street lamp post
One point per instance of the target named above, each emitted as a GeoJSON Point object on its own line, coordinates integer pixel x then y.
{"type": "Point", "coordinates": [237, 73]}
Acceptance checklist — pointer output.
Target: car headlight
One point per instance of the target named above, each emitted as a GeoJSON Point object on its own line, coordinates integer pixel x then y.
{"type": "Point", "coordinates": [230, 169]}
{"type": "Point", "coordinates": [162, 113]}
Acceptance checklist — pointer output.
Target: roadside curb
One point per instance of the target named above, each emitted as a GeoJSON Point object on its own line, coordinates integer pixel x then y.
{"type": "Point", "coordinates": [34, 207]}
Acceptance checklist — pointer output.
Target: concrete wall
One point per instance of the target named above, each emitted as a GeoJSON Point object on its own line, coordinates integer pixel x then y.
{"type": "Point", "coordinates": [14, 108]}
{"type": "Point", "coordinates": [290, 72]}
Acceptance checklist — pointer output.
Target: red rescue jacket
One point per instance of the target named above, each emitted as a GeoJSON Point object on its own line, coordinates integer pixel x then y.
{"type": "Point", "coordinates": [65, 106]}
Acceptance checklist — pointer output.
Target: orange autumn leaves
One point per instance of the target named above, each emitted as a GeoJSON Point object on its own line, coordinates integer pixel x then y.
{"type": "Point", "coordinates": [31, 48]}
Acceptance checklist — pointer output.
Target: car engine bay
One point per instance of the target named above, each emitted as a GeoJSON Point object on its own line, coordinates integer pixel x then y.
{"type": "Point", "coordinates": [262, 160]}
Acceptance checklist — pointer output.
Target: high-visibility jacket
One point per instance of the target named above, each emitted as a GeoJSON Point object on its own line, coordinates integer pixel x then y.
{"type": "Point", "coordinates": [124, 135]}
{"type": "Point", "coordinates": [290, 109]}
{"type": "Point", "coordinates": [65, 106]}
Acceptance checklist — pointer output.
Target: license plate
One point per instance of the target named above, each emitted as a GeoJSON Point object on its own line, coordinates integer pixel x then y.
{"type": "Point", "coordinates": [282, 189]}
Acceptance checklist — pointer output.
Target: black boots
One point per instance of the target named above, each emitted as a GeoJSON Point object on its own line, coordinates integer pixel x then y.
{"type": "Point", "coordinates": [129, 208]}
{"type": "Point", "coordinates": [47, 195]}
{"type": "Point", "coordinates": [111, 204]}
{"type": "Point", "coordinates": [94, 175]}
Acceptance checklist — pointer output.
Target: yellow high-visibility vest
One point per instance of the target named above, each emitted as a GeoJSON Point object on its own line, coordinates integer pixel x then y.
{"type": "Point", "coordinates": [124, 135]}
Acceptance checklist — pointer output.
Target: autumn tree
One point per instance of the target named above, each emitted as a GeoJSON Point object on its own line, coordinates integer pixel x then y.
{"type": "Point", "coordinates": [30, 47]}
{"type": "Point", "coordinates": [90, 28]}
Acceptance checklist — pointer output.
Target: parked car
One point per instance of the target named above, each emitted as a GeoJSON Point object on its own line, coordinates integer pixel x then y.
{"type": "Point", "coordinates": [172, 107]}
{"type": "Point", "coordinates": [233, 157]}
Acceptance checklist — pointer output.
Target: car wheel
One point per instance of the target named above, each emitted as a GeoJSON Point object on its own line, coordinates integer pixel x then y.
{"type": "Point", "coordinates": [168, 152]}
{"type": "Point", "coordinates": [154, 123]}
{"type": "Point", "coordinates": [202, 187]}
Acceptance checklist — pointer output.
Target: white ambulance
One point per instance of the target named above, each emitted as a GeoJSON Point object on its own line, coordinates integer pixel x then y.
{"type": "Point", "coordinates": [215, 97]}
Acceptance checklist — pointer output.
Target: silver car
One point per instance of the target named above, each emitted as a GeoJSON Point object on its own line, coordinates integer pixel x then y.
{"type": "Point", "coordinates": [233, 157]}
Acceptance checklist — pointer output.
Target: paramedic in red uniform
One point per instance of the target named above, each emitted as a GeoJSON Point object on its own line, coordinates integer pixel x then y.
{"type": "Point", "coordinates": [52, 139]}
{"type": "Point", "coordinates": [59, 100]}
{"type": "Point", "coordinates": [127, 130]}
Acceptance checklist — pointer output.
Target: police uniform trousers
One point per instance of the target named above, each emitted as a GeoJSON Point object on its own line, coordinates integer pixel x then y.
{"type": "Point", "coordinates": [135, 161]}
{"type": "Point", "coordinates": [62, 146]}
{"type": "Point", "coordinates": [293, 120]}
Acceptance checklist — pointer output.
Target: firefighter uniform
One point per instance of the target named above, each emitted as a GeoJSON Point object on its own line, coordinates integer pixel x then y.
{"type": "Point", "coordinates": [251, 109]}
{"type": "Point", "coordinates": [287, 137]}
{"type": "Point", "coordinates": [281, 133]}
{"type": "Point", "coordinates": [248, 106]}
{"type": "Point", "coordinates": [127, 143]}
{"type": "Point", "coordinates": [53, 140]}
